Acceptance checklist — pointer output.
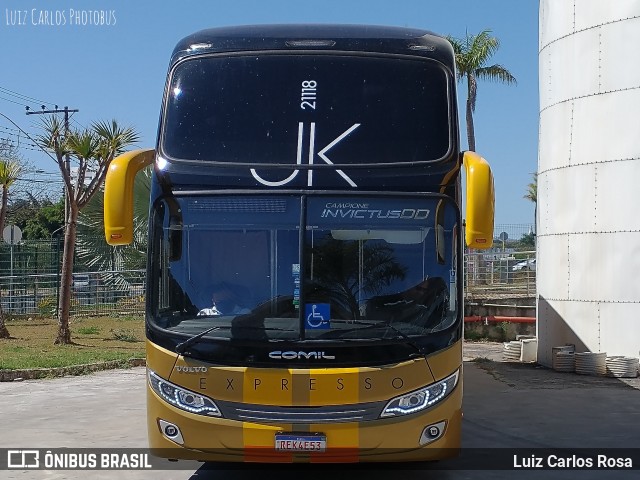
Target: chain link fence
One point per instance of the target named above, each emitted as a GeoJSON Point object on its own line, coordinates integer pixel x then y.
{"type": "Point", "coordinates": [500, 275]}
{"type": "Point", "coordinates": [507, 270]}
{"type": "Point", "coordinates": [30, 275]}
{"type": "Point", "coordinates": [30, 279]}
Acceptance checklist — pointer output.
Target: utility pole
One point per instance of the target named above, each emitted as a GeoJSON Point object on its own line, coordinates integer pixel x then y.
{"type": "Point", "coordinates": [67, 163]}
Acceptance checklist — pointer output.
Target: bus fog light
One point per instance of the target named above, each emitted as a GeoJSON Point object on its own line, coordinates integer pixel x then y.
{"type": "Point", "coordinates": [171, 431]}
{"type": "Point", "coordinates": [418, 400]}
{"type": "Point", "coordinates": [432, 433]}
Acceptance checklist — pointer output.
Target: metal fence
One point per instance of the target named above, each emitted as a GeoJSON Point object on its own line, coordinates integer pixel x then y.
{"type": "Point", "coordinates": [500, 275]}
{"type": "Point", "coordinates": [507, 270]}
{"type": "Point", "coordinates": [30, 275]}
{"type": "Point", "coordinates": [30, 279]}
{"type": "Point", "coordinates": [92, 293]}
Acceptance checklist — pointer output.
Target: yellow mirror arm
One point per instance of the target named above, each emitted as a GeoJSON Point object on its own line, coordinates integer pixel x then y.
{"type": "Point", "coordinates": [118, 195]}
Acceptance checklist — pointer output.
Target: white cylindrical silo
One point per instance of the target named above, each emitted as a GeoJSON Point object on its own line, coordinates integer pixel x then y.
{"type": "Point", "coordinates": [589, 177]}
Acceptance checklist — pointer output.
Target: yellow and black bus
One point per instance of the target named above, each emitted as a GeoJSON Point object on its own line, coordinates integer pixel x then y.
{"type": "Point", "coordinates": [305, 246]}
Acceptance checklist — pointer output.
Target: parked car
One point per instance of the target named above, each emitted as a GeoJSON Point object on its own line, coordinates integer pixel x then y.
{"type": "Point", "coordinates": [528, 264]}
{"type": "Point", "coordinates": [80, 282]}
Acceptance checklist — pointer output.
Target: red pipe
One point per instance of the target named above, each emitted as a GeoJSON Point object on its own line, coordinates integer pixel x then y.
{"type": "Point", "coordinates": [499, 319]}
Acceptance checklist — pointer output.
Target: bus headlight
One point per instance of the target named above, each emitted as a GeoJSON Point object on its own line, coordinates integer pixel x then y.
{"type": "Point", "coordinates": [417, 400]}
{"type": "Point", "coordinates": [183, 398]}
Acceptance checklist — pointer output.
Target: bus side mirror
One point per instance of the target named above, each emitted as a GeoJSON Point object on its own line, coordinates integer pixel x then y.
{"type": "Point", "coordinates": [118, 195]}
{"type": "Point", "coordinates": [480, 207]}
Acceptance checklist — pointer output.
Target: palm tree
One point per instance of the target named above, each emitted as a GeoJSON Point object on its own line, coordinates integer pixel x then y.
{"type": "Point", "coordinates": [472, 55]}
{"type": "Point", "coordinates": [532, 190]}
{"type": "Point", "coordinates": [91, 247]}
{"type": "Point", "coordinates": [92, 150]}
{"type": "Point", "coordinates": [10, 171]}
{"type": "Point", "coordinates": [342, 270]}
{"type": "Point", "coordinates": [532, 195]}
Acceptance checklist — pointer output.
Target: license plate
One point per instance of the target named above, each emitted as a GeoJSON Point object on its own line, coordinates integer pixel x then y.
{"type": "Point", "coordinates": [301, 443]}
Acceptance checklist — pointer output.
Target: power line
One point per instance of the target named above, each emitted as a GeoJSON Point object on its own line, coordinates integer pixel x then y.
{"type": "Point", "coordinates": [9, 129]}
{"type": "Point", "coordinates": [29, 149]}
{"type": "Point", "coordinates": [13, 101]}
{"type": "Point", "coordinates": [33, 180]}
{"type": "Point", "coordinates": [12, 93]}
{"type": "Point", "coordinates": [40, 172]}
{"type": "Point", "coordinates": [16, 139]}
{"type": "Point", "coordinates": [18, 142]}
{"type": "Point", "coordinates": [20, 147]}
{"type": "Point", "coordinates": [28, 136]}
{"type": "Point", "coordinates": [78, 124]}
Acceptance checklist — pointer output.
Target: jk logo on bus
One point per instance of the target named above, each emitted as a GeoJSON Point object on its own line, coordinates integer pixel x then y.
{"type": "Point", "coordinates": [311, 156]}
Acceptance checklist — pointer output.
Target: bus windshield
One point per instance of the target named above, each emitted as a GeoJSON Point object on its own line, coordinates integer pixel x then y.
{"type": "Point", "coordinates": [263, 109]}
{"type": "Point", "coordinates": [365, 268]}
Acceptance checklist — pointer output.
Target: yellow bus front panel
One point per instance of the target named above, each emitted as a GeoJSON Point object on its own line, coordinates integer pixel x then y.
{"type": "Point", "coordinates": [258, 399]}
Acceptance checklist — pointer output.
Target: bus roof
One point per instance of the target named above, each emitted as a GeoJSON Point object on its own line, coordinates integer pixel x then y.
{"type": "Point", "coordinates": [305, 37]}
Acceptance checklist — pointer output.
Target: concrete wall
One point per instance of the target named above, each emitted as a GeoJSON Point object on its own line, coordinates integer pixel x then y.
{"type": "Point", "coordinates": [588, 177]}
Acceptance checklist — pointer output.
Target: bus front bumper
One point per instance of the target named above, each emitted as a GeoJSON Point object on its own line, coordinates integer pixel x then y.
{"type": "Point", "coordinates": [431, 434]}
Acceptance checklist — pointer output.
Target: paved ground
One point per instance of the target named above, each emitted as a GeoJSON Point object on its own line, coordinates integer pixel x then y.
{"type": "Point", "coordinates": [506, 405]}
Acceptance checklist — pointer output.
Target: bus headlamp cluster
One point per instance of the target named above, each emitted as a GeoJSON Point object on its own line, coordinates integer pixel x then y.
{"type": "Point", "coordinates": [183, 398]}
{"type": "Point", "coordinates": [417, 400]}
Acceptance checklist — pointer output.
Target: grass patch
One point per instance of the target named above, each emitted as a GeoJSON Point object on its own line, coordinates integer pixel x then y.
{"type": "Point", "coordinates": [31, 345]}
{"type": "Point", "coordinates": [93, 330]}
{"type": "Point", "coordinates": [482, 360]}
{"type": "Point", "coordinates": [124, 335]}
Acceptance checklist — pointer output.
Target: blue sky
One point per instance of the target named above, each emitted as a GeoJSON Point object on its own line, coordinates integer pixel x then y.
{"type": "Point", "coordinates": [118, 70]}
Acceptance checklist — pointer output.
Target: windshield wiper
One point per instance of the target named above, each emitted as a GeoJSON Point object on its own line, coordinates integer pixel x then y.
{"type": "Point", "coordinates": [404, 336]}
{"type": "Point", "coordinates": [182, 347]}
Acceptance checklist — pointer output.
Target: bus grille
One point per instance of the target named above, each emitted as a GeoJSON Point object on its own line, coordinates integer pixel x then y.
{"type": "Point", "coordinates": [360, 412]}
{"type": "Point", "coordinates": [242, 205]}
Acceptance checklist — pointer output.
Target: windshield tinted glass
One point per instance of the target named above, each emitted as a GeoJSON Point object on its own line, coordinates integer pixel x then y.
{"type": "Point", "coordinates": [371, 267]}
{"type": "Point", "coordinates": [225, 258]}
{"type": "Point", "coordinates": [376, 266]}
{"type": "Point", "coordinates": [272, 108]}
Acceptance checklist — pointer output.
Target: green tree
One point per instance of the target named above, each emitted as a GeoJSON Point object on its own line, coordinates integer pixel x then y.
{"type": "Point", "coordinates": [532, 195]}
{"type": "Point", "coordinates": [342, 270]}
{"type": "Point", "coordinates": [10, 171]}
{"type": "Point", "coordinates": [527, 241]}
{"type": "Point", "coordinates": [38, 219]}
{"type": "Point", "coordinates": [532, 190]}
{"type": "Point", "coordinates": [91, 151]}
{"type": "Point", "coordinates": [473, 53]}
{"type": "Point", "coordinates": [93, 250]}
{"type": "Point", "coordinates": [48, 219]}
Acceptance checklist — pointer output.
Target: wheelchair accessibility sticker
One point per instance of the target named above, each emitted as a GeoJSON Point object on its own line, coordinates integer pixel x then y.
{"type": "Point", "coordinates": [317, 316]}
